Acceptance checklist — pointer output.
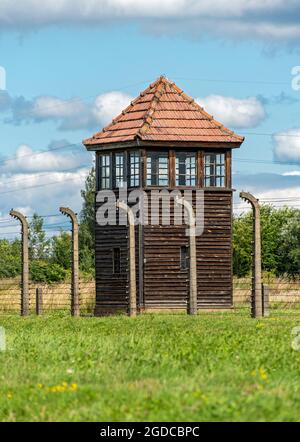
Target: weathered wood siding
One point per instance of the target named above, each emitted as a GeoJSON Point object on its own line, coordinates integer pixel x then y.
{"type": "Point", "coordinates": [165, 285]}
{"type": "Point", "coordinates": [111, 289]}
{"type": "Point", "coordinates": [160, 281]}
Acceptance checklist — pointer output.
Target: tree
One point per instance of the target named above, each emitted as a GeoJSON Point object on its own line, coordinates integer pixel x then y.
{"type": "Point", "coordinates": [273, 222]}
{"type": "Point", "coordinates": [10, 258]}
{"type": "Point", "coordinates": [61, 250]}
{"type": "Point", "coordinates": [289, 250]}
{"type": "Point", "coordinates": [38, 244]}
{"type": "Point", "coordinates": [86, 228]}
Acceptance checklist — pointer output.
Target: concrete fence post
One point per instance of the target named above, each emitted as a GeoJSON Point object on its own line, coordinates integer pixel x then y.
{"type": "Point", "coordinates": [257, 305]}
{"type": "Point", "coordinates": [266, 300]}
{"type": "Point", "coordinates": [25, 262]}
{"type": "Point", "coordinates": [39, 301]}
{"type": "Point", "coordinates": [132, 272]}
{"type": "Point", "coordinates": [75, 307]}
{"type": "Point", "coordinates": [192, 307]}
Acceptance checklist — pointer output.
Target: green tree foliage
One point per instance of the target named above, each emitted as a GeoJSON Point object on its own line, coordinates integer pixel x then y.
{"type": "Point", "coordinates": [61, 250]}
{"type": "Point", "coordinates": [38, 243]}
{"type": "Point", "coordinates": [10, 258]}
{"type": "Point", "coordinates": [289, 249]}
{"type": "Point", "coordinates": [86, 229]}
{"type": "Point", "coordinates": [273, 225]}
{"type": "Point", "coordinates": [47, 272]}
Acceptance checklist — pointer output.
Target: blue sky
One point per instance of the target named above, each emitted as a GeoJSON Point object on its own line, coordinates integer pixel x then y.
{"type": "Point", "coordinates": [70, 69]}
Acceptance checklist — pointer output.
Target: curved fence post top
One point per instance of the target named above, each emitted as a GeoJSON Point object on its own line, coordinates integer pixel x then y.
{"type": "Point", "coordinates": [188, 206]}
{"type": "Point", "coordinates": [250, 198]}
{"type": "Point", "coordinates": [128, 210]}
{"type": "Point", "coordinates": [18, 215]}
{"type": "Point", "coordinates": [69, 212]}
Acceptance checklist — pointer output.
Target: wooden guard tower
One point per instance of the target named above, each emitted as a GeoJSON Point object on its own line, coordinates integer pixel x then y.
{"type": "Point", "coordinates": [165, 140]}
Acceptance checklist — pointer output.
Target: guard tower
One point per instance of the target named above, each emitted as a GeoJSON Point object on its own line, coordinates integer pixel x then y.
{"type": "Point", "coordinates": [165, 140]}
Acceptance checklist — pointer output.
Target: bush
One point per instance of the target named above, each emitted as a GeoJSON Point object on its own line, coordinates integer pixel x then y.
{"type": "Point", "coordinates": [10, 258]}
{"type": "Point", "coordinates": [43, 271]}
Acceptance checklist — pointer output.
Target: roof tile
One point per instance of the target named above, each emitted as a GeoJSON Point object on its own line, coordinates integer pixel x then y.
{"type": "Point", "coordinates": [164, 113]}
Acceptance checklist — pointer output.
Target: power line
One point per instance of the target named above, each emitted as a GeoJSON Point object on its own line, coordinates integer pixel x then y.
{"type": "Point", "coordinates": [47, 173]}
{"type": "Point", "coordinates": [265, 134]}
{"type": "Point", "coordinates": [72, 100]}
{"type": "Point", "coordinates": [258, 161]}
{"type": "Point", "coordinates": [39, 185]}
{"type": "Point", "coordinates": [51, 149]}
{"type": "Point", "coordinates": [214, 80]}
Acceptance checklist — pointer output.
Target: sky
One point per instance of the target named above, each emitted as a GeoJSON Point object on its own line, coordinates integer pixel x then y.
{"type": "Point", "coordinates": [67, 67]}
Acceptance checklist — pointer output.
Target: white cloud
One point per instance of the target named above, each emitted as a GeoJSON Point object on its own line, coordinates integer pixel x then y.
{"type": "Point", "coordinates": [32, 192]}
{"type": "Point", "coordinates": [27, 160]}
{"type": "Point", "coordinates": [42, 182]}
{"type": "Point", "coordinates": [69, 114]}
{"type": "Point", "coordinates": [234, 112]}
{"type": "Point", "coordinates": [287, 146]}
{"type": "Point", "coordinates": [268, 19]}
{"type": "Point", "coordinates": [271, 188]}
{"type": "Point", "coordinates": [292, 173]}
{"type": "Point", "coordinates": [108, 106]}
{"type": "Point", "coordinates": [76, 114]}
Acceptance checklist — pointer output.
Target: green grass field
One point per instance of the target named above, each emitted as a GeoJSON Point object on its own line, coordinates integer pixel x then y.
{"type": "Point", "coordinates": [214, 367]}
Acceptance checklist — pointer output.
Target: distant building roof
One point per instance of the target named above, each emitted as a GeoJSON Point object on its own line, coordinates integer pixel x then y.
{"type": "Point", "coordinates": [163, 112]}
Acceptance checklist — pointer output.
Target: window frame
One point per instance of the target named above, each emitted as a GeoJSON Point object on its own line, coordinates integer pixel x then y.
{"type": "Point", "coordinates": [136, 175]}
{"type": "Point", "coordinates": [192, 177]}
{"type": "Point", "coordinates": [114, 170]}
{"type": "Point", "coordinates": [155, 156]}
{"type": "Point", "coordinates": [184, 258]}
{"type": "Point", "coordinates": [100, 171]}
{"type": "Point", "coordinates": [116, 268]}
{"type": "Point", "coordinates": [217, 177]}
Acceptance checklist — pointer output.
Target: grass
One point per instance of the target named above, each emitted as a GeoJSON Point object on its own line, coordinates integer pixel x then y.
{"type": "Point", "coordinates": [213, 367]}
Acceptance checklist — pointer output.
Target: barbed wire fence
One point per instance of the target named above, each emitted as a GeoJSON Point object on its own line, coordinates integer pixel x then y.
{"type": "Point", "coordinates": [283, 293]}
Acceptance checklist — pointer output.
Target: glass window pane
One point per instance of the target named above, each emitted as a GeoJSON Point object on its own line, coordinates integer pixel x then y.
{"type": "Point", "coordinates": [157, 169]}
{"type": "Point", "coordinates": [119, 170]}
{"type": "Point", "coordinates": [105, 171]}
{"type": "Point", "coordinates": [185, 166]}
{"type": "Point", "coordinates": [214, 171]}
{"type": "Point", "coordinates": [134, 169]}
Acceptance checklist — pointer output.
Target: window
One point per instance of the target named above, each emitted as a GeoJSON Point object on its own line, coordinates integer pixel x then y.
{"type": "Point", "coordinates": [185, 169]}
{"type": "Point", "coordinates": [184, 257]}
{"type": "Point", "coordinates": [134, 169]}
{"type": "Point", "coordinates": [157, 169]}
{"type": "Point", "coordinates": [104, 169]}
{"type": "Point", "coordinates": [214, 170]}
{"type": "Point", "coordinates": [116, 260]}
{"type": "Point", "coordinates": [119, 170]}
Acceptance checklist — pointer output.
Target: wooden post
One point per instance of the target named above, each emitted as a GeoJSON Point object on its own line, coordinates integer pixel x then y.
{"type": "Point", "coordinates": [75, 308]}
{"type": "Point", "coordinates": [39, 301]}
{"type": "Point", "coordinates": [266, 300]}
{"type": "Point", "coordinates": [25, 262]}
{"type": "Point", "coordinates": [132, 272]}
{"type": "Point", "coordinates": [192, 306]}
{"type": "Point", "coordinates": [257, 308]}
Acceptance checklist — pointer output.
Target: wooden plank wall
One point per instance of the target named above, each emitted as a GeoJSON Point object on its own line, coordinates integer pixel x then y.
{"type": "Point", "coordinates": [162, 284]}
{"type": "Point", "coordinates": [111, 289]}
{"type": "Point", "coordinates": [165, 285]}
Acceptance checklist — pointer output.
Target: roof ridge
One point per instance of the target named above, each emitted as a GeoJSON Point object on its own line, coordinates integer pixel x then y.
{"type": "Point", "coordinates": [124, 111]}
{"type": "Point", "coordinates": [148, 118]}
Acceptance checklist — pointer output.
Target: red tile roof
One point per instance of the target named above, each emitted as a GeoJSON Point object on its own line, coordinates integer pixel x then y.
{"type": "Point", "coordinates": [163, 112]}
